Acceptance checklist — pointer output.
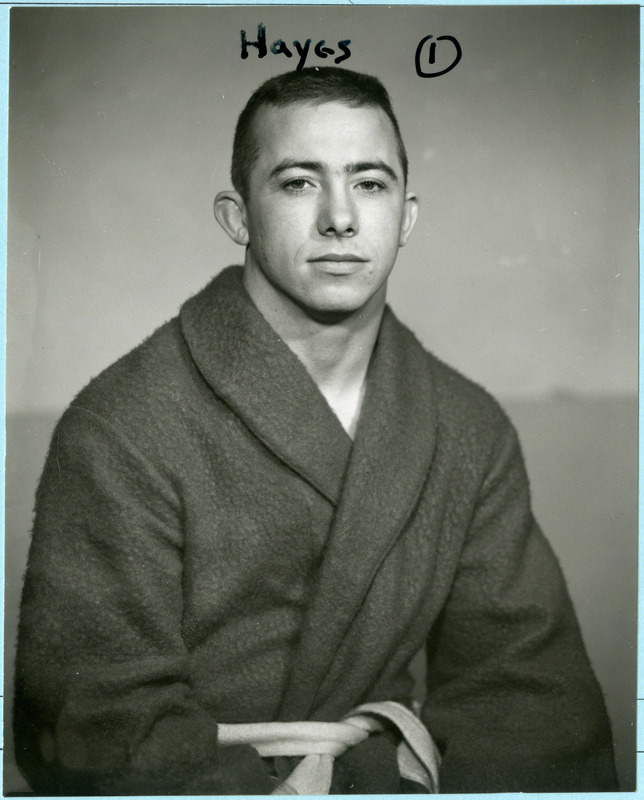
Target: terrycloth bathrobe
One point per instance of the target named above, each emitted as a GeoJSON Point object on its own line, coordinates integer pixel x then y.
{"type": "Point", "coordinates": [210, 546]}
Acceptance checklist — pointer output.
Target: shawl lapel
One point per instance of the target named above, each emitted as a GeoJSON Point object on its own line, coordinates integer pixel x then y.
{"type": "Point", "coordinates": [392, 453]}
{"type": "Point", "coordinates": [248, 367]}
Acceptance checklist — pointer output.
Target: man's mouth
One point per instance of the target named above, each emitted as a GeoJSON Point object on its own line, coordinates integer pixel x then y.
{"type": "Point", "coordinates": [338, 257]}
{"type": "Point", "coordinates": [338, 263]}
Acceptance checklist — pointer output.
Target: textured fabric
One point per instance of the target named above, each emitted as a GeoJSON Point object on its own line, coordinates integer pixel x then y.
{"type": "Point", "coordinates": [210, 547]}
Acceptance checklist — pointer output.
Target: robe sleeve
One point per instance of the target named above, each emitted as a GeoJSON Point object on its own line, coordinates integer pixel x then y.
{"type": "Point", "coordinates": [512, 700]}
{"type": "Point", "coordinates": [103, 697]}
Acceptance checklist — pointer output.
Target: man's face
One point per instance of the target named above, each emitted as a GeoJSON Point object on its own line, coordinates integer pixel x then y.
{"type": "Point", "coordinates": [326, 210]}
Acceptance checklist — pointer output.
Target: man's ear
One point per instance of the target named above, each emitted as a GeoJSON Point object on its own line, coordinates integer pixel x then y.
{"type": "Point", "coordinates": [230, 212]}
{"type": "Point", "coordinates": [410, 212]}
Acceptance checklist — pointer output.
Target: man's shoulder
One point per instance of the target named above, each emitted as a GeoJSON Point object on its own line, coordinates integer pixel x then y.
{"type": "Point", "coordinates": [460, 402]}
{"type": "Point", "coordinates": [460, 396]}
{"type": "Point", "coordinates": [159, 371]}
{"type": "Point", "coordinates": [141, 386]}
{"type": "Point", "coordinates": [157, 387]}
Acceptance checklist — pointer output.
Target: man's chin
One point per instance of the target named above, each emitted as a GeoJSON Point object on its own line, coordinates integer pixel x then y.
{"type": "Point", "coordinates": [343, 299]}
{"type": "Point", "coordinates": [331, 316]}
{"type": "Point", "coordinates": [331, 310]}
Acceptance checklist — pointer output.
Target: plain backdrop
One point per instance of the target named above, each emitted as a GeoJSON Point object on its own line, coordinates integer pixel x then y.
{"type": "Point", "coordinates": [522, 270]}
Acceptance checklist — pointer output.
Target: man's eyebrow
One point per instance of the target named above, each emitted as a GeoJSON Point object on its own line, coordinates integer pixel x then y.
{"type": "Point", "coordinates": [366, 166]}
{"type": "Point", "coordinates": [292, 163]}
{"type": "Point", "coordinates": [317, 166]}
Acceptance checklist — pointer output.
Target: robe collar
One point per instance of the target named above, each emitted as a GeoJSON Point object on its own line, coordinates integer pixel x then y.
{"type": "Point", "coordinates": [258, 376]}
{"type": "Point", "coordinates": [375, 484]}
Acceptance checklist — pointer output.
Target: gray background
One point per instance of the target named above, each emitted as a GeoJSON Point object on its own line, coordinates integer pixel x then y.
{"type": "Point", "coordinates": [522, 270]}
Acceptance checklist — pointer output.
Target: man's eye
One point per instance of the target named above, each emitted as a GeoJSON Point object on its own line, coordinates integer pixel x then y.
{"type": "Point", "coordinates": [296, 185]}
{"type": "Point", "coordinates": [372, 186]}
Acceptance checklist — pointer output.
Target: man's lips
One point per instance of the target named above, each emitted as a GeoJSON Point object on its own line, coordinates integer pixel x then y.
{"type": "Point", "coordinates": [338, 258]}
{"type": "Point", "coordinates": [338, 264]}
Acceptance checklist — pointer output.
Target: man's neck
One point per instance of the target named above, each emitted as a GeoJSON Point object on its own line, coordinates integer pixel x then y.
{"type": "Point", "coordinates": [335, 351]}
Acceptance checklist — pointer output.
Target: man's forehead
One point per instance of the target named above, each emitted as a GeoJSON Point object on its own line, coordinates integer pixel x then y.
{"type": "Point", "coordinates": [278, 129]}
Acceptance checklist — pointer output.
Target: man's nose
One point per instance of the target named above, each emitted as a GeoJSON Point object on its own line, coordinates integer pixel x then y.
{"type": "Point", "coordinates": [337, 213]}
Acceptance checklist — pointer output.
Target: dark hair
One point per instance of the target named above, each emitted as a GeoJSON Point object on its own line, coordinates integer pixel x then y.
{"type": "Point", "coordinates": [311, 85]}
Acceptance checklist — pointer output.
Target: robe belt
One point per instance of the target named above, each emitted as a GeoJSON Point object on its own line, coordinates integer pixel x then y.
{"type": "Point", "coordinates": [321, 742]}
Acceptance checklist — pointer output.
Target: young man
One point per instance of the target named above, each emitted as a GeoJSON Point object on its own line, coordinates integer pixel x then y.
{"type": "Point", "coordinates": [262, 513]}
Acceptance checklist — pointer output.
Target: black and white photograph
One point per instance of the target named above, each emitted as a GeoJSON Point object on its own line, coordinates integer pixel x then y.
{"type": "Point", "coordinates": [321, 400]}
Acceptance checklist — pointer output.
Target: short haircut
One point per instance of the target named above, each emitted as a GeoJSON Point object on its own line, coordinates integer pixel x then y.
{"type": "Point", "coordinates": [314, 85]}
